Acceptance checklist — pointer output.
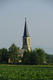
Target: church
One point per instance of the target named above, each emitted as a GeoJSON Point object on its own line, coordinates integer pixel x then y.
{"type": "Point", "coordinates": [26, 44]}
{"type": "Point", "coordinates": [26, 38]}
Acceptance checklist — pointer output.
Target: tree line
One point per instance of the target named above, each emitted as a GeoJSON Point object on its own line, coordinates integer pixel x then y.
{"type": "Point", "coordinates": [36, 57]}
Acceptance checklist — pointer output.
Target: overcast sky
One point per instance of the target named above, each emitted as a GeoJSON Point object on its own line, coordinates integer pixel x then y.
{"type": "Point", "coordinates": [39, 14]}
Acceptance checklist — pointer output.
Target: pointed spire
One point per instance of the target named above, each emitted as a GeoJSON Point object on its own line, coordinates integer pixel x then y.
{"type": "Point", "coordinates": [26, 34]}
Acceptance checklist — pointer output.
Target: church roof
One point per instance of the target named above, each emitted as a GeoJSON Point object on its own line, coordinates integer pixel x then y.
{"type": "Point", "coordinates": [26, 34]}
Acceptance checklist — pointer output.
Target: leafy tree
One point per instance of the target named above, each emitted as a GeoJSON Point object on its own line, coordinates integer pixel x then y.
{"type": "Point", "coordinates": [13, 53]}
{"type": "Point", "coordinates": [34, 58]}
{"type": "Point", "coordinates": [0, 55]}
{"type": "Point", "coordinates": [30, 58]}
{"type": "Point", "coordinates": [25, 58]}
{"type": "Point", "coordinates": [3, 55]}
{"type": "Point", "coordinates": [49, 58]}
{"type": "Point", "coordinates": [42, 55]}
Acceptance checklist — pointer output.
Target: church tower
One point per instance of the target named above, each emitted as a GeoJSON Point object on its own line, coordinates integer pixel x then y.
{"type": "Point", "coordinates": [26, 38]}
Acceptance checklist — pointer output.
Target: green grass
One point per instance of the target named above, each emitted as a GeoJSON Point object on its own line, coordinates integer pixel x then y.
{"type": "Point", "coordinates": [26, 72]}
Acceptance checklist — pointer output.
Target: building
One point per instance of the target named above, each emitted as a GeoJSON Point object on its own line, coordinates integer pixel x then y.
{"type": "Point", "coordinates": [26, 38]}
{"type": "Point", "coordinates": [25, 47]}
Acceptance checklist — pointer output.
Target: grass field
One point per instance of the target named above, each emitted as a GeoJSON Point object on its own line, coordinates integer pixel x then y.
{"type": "Point", "coordinates": [26, 72]}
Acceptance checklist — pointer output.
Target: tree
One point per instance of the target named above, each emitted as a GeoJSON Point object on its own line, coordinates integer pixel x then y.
{"type": "Point", "coordinates": [30, 58]}
{"type": "Point", "coordinates": [49, 59]}
{"type": "Point", "coordinates": [13, 53]}
{"type": "Point", "coordinates": [0, 55]}
{"type": "Point", "coordinates": [34, 58]}
{"type": "Point", "coordinates": [42, 55]}
{"type": "Point", "coordinates": [3, 55]}
{"type": "Point", "coordinates": [25, 58]}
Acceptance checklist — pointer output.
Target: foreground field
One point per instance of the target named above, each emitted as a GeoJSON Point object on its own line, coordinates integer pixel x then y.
{"type": "Point", "coordinates": [26, 72]}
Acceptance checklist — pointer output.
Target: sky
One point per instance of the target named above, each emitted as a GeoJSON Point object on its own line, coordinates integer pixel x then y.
{"type": "Point", "coordinates": [39, 14]}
